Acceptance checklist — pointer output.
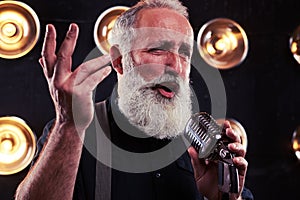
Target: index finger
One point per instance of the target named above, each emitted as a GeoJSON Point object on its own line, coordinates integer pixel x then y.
{"type": "Point", "coordinates": [90, 67]}
{"type": "Point", "coordinates": [231, 133]}
{"type": "Point", "coordinates": [48, 50]}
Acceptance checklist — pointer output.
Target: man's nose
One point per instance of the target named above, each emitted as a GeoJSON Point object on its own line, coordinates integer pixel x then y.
{"type": "Point", "coordinates": [173, 61]}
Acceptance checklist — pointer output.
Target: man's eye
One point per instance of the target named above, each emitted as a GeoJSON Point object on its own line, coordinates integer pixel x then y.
{"type": "Point", "coordinates": [153, 50]}
{"type": "Point", "coordinates": [185, 55]}
{"type": "Point", "coordinates": [185, 52]}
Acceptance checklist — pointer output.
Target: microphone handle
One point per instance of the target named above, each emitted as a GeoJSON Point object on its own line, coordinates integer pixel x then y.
{"type": "Point", "coordinates": [228, 178]}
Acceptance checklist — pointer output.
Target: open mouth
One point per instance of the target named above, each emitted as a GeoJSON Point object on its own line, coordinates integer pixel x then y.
{"type": "Point", "coordinates": [167, 89]}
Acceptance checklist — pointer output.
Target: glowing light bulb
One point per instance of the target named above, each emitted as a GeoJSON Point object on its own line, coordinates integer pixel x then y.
{"type": "Point", "coordinates": [9, 30]}
{"type": "Point", "coordinates": [17, 145]}
{"type": "Point", "coordinates": [296, 142]}
{"type": "Point", "coordinates": [295, 44]}
{"type": "Point", "coordinates": [222, 43]}
{"type": "Point", "coordinates": [104, 25]}
{"type": "Point", "coordinates": [19, 29]}
{"type": "Point", "coordinates": [6, 146]}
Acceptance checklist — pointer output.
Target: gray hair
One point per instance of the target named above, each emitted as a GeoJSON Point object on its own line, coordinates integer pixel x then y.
{"type": "Point", "coordinates": [123, 31]}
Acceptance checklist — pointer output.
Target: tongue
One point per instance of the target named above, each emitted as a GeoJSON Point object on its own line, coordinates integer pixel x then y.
{"type": "Point", "coordinates": [167, 94]}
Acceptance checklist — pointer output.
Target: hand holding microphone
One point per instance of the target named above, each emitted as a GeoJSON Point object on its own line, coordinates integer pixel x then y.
{"type": "Point", "coordinates": [209, 139]}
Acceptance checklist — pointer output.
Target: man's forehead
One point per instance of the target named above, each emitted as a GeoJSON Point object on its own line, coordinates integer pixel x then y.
{"type": "Point", "coordinates": [164, 18]}
{"type": "Point", "coordinates": [161, 35]}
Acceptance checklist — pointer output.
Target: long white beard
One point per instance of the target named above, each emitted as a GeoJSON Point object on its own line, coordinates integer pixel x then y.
{"type": "Point", "coordinates": [146, 109]}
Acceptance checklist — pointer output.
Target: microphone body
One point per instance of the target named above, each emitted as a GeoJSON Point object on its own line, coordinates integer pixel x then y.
{"type": "Point", "coordinates": [209, 139]}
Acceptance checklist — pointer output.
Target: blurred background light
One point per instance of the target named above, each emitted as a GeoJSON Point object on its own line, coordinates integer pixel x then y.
{"type": "Point", "coordinates": [222, 43]}
{"type": "Point", "coordinates": [295, 44]}
{"type": "Point", "coordinates": [103, 26]}
{"type": "Point", "coordinates": [17, 145]}
{"type": "Point", "coordinates": [19, 29]}
{"type": "Point", "coordinates": [296, 142]}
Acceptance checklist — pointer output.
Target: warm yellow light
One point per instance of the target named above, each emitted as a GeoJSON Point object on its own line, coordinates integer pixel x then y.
{"type": "Point", "coordinates": [295, 44]}
{"type": "Point", "coordinates": [19, 29]}
{"type": "Point", "coordinates": [104, 25]}
{"type": "Point", "coordinates": [296, 145]}
{"type": "Point", "coordinates": [9, 30]}
{"type": "Point", "coordinates": [6, 146]}
{"type": "Point", "coordinates": [222, 43]}
{"type": "Point", "coordinates": [294, 47]}
{"type": "Point", "coordinates": [111, 24]}
{"type": "Point", "coordinates": [17, 145]}
{"type": "Point", "coordinates": [211, 49]}
{"type": "Point", "coordinates": [296, 142]}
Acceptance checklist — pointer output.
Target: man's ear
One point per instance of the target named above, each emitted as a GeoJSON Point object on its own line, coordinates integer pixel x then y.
{"type": "Point", "coordinates": [116, 59]}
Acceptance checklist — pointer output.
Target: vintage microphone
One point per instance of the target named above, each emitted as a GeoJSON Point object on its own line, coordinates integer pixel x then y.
{"type": "Point", "coordinates": [209, 139]}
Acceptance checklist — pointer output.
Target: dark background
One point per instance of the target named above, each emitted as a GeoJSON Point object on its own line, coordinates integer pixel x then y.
{"type": "Point", "coordinates": [262, 92]}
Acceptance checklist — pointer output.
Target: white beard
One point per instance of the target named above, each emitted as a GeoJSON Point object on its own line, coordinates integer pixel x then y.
{"type": "Point", "coordinates": [146, 109]}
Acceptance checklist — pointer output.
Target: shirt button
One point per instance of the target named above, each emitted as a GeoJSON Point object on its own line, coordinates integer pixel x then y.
{"type": "Point", "coordinates": [157, 175]}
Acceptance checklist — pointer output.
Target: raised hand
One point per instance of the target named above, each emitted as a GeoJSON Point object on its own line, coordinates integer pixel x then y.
{"type": "Point", "coordinates": [71, 91]}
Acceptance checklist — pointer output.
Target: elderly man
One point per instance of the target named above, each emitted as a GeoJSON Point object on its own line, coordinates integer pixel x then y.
{"type": "Point", "coordinates": [151, 52]}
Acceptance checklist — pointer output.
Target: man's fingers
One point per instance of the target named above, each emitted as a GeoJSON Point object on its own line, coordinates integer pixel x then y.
{"type": "Point", "coordinates": [242, 164]}
{"type": "Point", "coordinates": [68, 45]}
{"type": "Point", "coordinates": [234, 135]}
{"type": "Point", "coordinates": [90, 67]}
{"type": "Point", "coordinates": [193, 153]}
{"type": "Point", "coordinates": [237, 148]}
{"type": "Point", "coordinates": [64, 55]}
{"type": "Point", "coordinates": [196, 162]}
{"type": "Point", "coordinates": [42, 63]}
{"type": "Point", "coordinates": [48, 50]}
{"type": "Point", "coordinates": [99, 61]}
{"type": "Point", "coordinates": [94, 79]}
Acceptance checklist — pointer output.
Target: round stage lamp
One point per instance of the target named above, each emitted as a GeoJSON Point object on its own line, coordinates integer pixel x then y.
{"type": "Point", "coordinates": [103, 26]}
{"type": "Point", "coordinates": [237, 127]}
{"type": "Point", "coordinates": [19, 29]}
{"type": "Point", "coordinates": [222, 43]}
{"type": "Point", "coordinates": [296, 142]}
{"type": "Point", "coordinates": [295, 44]}
{"type": "Point", "coordinates": [17, 145]}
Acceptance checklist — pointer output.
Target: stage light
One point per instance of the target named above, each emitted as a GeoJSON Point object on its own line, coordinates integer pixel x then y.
{"type": "Point", "coordinates": [238, 128]}
{"type": "Point", "coordinates": [222, 43]}
{"type": "Point", "coordinates": [19, 29]}
{"type": "Point", "coordinates": [17, 145]}
{"type": "Point", "coordinates": [295, 44]}
{"type": "Point", "coordinates": [103, 26]}
{"type": "Point", "coordinates": [296, 142]}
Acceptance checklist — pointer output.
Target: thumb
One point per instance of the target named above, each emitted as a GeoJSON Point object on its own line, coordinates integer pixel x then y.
{"type": "Point", "coordinates": [197, 163]}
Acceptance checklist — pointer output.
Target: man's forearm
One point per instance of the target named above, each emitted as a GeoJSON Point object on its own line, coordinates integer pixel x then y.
{"type": "Point", "coordinates": [54, 173]}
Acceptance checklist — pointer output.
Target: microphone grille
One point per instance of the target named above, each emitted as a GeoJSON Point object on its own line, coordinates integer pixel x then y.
{"type": "Point", "coordinates": [203, 132]}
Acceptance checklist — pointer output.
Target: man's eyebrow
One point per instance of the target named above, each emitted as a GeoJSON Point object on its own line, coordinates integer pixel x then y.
{"type": "Point", "coordinates": [163, 44]}
{"type": "Point", "coordinates": [167, 45]}
{"type": "Point", "coordinates": [185, 48]}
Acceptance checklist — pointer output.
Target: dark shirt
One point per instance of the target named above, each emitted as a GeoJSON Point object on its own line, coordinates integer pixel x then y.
{"type": "Point", "coordinates": [174, 181]}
